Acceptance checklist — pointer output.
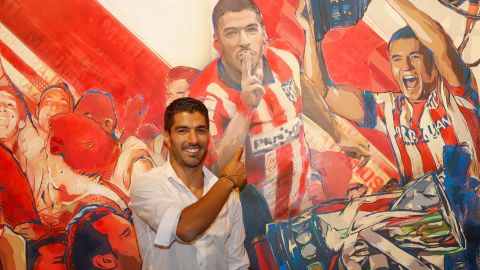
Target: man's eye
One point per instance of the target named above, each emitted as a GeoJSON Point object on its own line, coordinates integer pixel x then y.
{"type": "Point", "coordinates": [202, 131]}
{"type": "Point", "coordinates": [252, 30]}
{"type": "Point", "coordinates": [181, 131]}
{"type": "Point", "coordinates": [230, 34]}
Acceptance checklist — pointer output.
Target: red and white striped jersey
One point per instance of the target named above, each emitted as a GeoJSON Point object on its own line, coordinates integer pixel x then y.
{"type": "Point", "coordinates": [418, 132]}
{"type": "Point", "coordinates": [276, 154]}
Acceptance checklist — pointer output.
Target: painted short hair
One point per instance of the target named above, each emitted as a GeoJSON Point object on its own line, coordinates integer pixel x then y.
{"type": "Point", "coordinates": [84, 241]}
{"type": "Point", "coordinates": [406, 33]}
{"type": "Point", "coordinates": [186, 104]}
{"type": "Point", "coordinates": [99, 104]}
{"type": "Point", "coordinates": [181, 72]}
{"type": "Point", "coordinates": [224, 6]}
{"type": "Point", "coordinates": [64, 87]}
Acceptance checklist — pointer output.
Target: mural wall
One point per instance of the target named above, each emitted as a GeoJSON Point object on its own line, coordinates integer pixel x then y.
{"type": "Point", "coordinates": [360, 127]}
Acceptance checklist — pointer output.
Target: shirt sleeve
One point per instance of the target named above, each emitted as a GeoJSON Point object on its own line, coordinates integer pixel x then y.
{"type": "Point", "coordinates": [152, 202]}
{"type": "Point", "coordinates": [369, 110]}
{"type": "Point", "coordinates": [466, 90]}
{"type": "Point", "coordinates": [237, 255]}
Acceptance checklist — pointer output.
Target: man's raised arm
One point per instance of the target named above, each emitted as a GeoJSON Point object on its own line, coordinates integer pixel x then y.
{"type": "Point", "coordinates": [336, 96]}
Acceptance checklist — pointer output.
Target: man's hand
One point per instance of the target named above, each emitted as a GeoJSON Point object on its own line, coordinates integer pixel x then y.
{"type": "Point", "coordinates": [235, 170]}
{"type": "Point", "coordinates": [252, 89]}
{"type": "Point", "coordinates": [358, 149]}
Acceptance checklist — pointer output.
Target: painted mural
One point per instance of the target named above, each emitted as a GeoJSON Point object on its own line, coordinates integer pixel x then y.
{"type": "Point", "coordinates": [359, 118]}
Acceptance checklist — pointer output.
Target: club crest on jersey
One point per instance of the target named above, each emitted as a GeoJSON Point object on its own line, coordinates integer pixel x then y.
{"type": "Point", "coordinates": [291, 90]}
{"type": "Point", "coordinates": [432, 101]}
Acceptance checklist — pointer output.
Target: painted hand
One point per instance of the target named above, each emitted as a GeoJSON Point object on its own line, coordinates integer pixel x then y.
{"type": "Point", "coordinates": [252, 89]}
{"type": "Point", "coordinates": [358, 149]}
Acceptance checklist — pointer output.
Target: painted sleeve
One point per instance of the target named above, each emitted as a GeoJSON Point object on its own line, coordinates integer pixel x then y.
{"type": "Point", "coordinates": [466, 89]}
{"type": "Point", "coordinates": [370, 109]}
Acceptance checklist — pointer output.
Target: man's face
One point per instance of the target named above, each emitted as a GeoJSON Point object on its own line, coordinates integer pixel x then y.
{"type": "Point", "coordinates": [412, 68]}
{"type": "Point", "coordinates": [187, 140]}
{"type": "Point", "coordinates": [121, 236]}
{"type": "Point", "coordinates": [238, 33]}
{"type": "Point", "coordinates": [177, 89]}
{"type": "Point", "coordinates": [9, 116]}
{"type": "Point", "coordinates": [53, 102]}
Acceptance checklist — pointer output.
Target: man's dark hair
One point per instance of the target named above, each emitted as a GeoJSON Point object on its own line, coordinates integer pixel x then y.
{"type": "Point", "coordinates": [405, 33]}
{"type": "Point", "coordinates": [224, 6]}
{"type": "Point", "coordinates": [186, 104]}
{"type": "Point", "coordinates": [84, 241]}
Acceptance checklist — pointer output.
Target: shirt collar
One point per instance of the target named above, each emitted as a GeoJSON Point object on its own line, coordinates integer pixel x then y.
{"type": "Point", "coordinates": [208, 180]}
{"type": "Point", "coordinates": [431, 102]}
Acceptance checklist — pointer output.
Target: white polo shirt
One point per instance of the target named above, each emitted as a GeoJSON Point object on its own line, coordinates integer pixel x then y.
{"type": "Point", "coordinates": [157, 199]}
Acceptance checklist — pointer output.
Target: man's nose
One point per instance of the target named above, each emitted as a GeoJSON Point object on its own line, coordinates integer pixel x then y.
{"type": "Point", "coordinates": [244, 39]}
{"type": "Point", "coordinates": [406, 63]}
{"type": "Point", "coordinates": [193, 137]}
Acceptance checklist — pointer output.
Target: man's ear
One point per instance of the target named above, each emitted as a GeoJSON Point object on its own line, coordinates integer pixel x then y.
{"type": "Point", "coordinates": [166, 139]}
{"type": "Point", "coordinates": [21, 124]}
{"type": "Point", "coordinates": [106, 261]}
{"type": "Point", "coordinates": [108, 125]}
{"type": "Point", "coordinates": [265, 37]}
{"type": "Point", "coordinates": [216, 43]}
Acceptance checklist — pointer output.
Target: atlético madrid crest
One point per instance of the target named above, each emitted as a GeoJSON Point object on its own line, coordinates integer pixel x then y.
{"type": "Point", "coordinates": [291, 90]}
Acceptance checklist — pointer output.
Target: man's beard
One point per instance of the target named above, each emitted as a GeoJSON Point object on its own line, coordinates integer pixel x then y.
{"type": "Point", "coordinates": [193, 162]}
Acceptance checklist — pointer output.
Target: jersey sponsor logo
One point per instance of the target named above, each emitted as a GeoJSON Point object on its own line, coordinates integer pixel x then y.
{"type": "Point", "coordinates": [276, 137]}
{"type": "Point", "coordinates": [427, 133]}
{"type": "Point", "coordinates": [291, 90]}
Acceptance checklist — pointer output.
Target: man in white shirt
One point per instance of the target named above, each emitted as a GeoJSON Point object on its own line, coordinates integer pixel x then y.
{"type": "Point", "coordinates": [186, 218]}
